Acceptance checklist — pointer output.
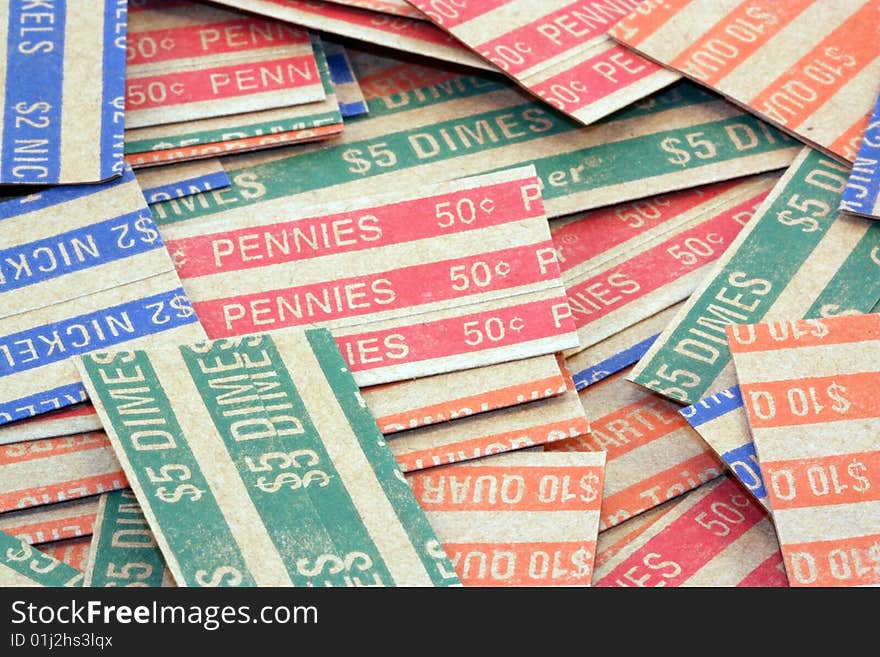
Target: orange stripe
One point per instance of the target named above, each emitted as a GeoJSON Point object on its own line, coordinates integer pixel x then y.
{"type": "Point", "coordinates": [663, 486]}
{"type": "Point", "coordinates": [847, 145]}
{"type": "Point", "coordinates": [402, 78]}
{"type": "Point", "coordinates": [847, 50]}
{"type": "Point", "coordinates": [506, 488]}
{"type": "Point", "coordinates": [792, 334]}
{"type": "Point", "coordinates": [69, 490]}
{"type": "Point", "coordinates": [493, 444]}
{"type": "Point", "coordinates": [812, 400]}
{"type": "Point", "coordinates": [723, 37]}
{"type": "Point", "coordinates": [567, 563]}
{"type": "Point", "coordinates": [45, 448]}
{"type": "Point", "coordinates": [465, 406]}
{"type": "Point", "coordinates": [565, 372]}
{"type": "Point", "coordinates": [54, 530]}
{"type": "Point", "coordinates": [647, 19]}
{"type": "Point", "coordinates": [612, 550]}
{"type": "Point", "coordinates": [838, 479]}
{"type": "Point", "coordinates": [843, 562]}
{"type": "Point", "coordinates": [628, 428]}
{"type": "Point", "coordinates": [74, 552]}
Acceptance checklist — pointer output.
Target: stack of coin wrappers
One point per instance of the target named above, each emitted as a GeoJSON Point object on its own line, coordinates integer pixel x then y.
{"type": "Point", "coordinates": [524, 293]}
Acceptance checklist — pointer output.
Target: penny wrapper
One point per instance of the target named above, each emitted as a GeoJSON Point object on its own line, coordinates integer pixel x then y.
{"type": "Point", "coordinates": [810, 392]}
{"type": "Point", "coordinates": [123, 551]}
{"type": "Point", "coordinates": [474, 282]}
{"type": "Point", "coordinates": [24, 565]}
{"type": "Point", "coordinates": [72, 551]}
{"type": "Point", "coordinates": [257, 463]}
{"type": "Point", "coordinates": [52, 132]}
{"type": "Point", "coordinates": [520, 519]}
{"type": "Point", "coordinates": [394, 7]}
{"type": "Point", "coordinates": [558, 50]}
{"type": "Point", "coordinates": [715, 536]}
{"type": "Point", "coordinates": [862, 193]}
{"type": "Point", "coordinates": [625, 263]}
{"type": "Point", "coordinates": [433, 124]}
{"type": "Point", "coordinates": [193, 61]}
{"type": "Point", "coordinates": [52, 522]}
{"type": "Point", "coordinates": [392, 31]}
{"type": "Point", "coordinates": [82, 268]}
{"type": "Point", "coordinates": [182, 179]}
{"type": "Point", "coordinates": [809, 67]}
{"type": "Point", "coordinates": [829, 265]}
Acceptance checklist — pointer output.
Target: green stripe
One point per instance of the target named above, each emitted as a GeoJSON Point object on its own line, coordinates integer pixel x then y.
{"type": "Point", "coordinates": [37, 566]}
{"type": "Point", "coordinates": [770, 255]}
{"type": "Point", "coordinates": [326, 166]}
{"type": "Point", "coordinates": [311, 524]}
{"type": "Point", "coordinates": [388, 473]}
{"type": "Point", "coordinates": [262, 128]}
{"type": "Point", "coordinates": [856, 285]}
{"type": "Point", "coordinates": [187, 512]}
{"type": "Point", "coordinates": [125, 550]}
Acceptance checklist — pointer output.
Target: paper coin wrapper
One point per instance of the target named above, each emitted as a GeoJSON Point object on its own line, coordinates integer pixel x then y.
{"type": "Point", "coordinates": [625, 263]}
{"type": "Point", "coordinates": [434, 124]}
{"type": "Point", "coordinates": [809, 67]}
{"type": "Point", "coordinates": [183, 179]}
{"type": "Point", "coordinates": [403, 33]}
{"type": "Point", "coordinates": [521, 519]}
{"type": "Point", "coordinates": [829, 265]}
{"type": "Point", "coordinates": [51, 470]}
{"type": "Point", "coordinates": [810, 391]}
{"type": "Point", "coordinates": [393, 7]}
{"type": "Point", "coordinates": [52, 522]}
{"type": "Point", "coordinates": [862, 193]}
{"type": "Point", "coordinates": [348, 92]}
{"type": "Point", "coordinates": [237, 133]}
{"type": "Point", "coordinates": [558, 50]}
{"type": "Point", "coordinates": [257, 463]}
{"type": "Point", "coordinates": [473, 282]}
{"type": "Point", "coordinates": [72, 551]}
{"type": "Point", "coordinates": [123, 550]}
{"type": "Point", "coordinates": [62, 108]}
{"type": "Point", "coordinates": [24, 565]}
{"type": "Point", "coordinates": [82, 268]}
{"type": "Point", "coordinates": [715, 536]}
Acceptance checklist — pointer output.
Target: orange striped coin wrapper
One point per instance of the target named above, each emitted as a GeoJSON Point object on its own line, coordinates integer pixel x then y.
{"type": "Point", "coordinates": [653, 454]}
{"type": "Point", "coordinates": [256, 463]}
{"type": "Point", "coordinates": [396, 406]}
{"type": "Point", "coordinates": [399, 32]}
{"type": "Point", "coordinates": [62, 97]}
{"type": "Point", "coordinates": [52, 522]}
{"type": "Point", "coordinates": [72, 551]}
{"type": "Point", "coordinates": [82, 268]}
{"type": "Point", "coordinates": [519, 427]}
{"type": "Point", "coordinates": [247, 131]}
{"type": "Point", "coordinates": [24, 565]}
{"type": "Point", "coordinates": [486, 238]}
{"type": "Point", "coordinates": [624, 263]}
{"type": "Point", "coordinates": [521, 519]}
{"type": "Point", "coordinates": [195, 62]}
{"type": "Point", "coordinates": [810, 391]}
{"type": "Point", "coordinates": [809, 67]}
{"type": "Point", "coordinates": [828, 266]}
{"type": "Point", "coordinates": [558, 50]}
{"type": "Point", "coordinates": [52, 470]}
{"type": "Point", "coordinates": [715, 536]}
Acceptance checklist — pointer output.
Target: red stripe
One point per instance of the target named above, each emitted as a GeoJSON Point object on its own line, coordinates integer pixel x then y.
{"type": "Point", "coordinates": [219, 82]}
{"type": "Point", "coordinates": [397, 289]}
{"type": "Point", "coordinates": [53, 530]}
{"type": "Point", "coordinates": [356, 230]}
{"type": "Point", "coordinates": [47, 448]}
{"type": "Point", "coordinates": [771, 573]}
{"type": "Point", "coordinates": [451, 14]}
{"type": "Point", "coordinates": [70, 490]}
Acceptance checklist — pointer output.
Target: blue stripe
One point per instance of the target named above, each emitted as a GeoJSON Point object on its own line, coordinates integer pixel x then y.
{"type": "Point", "coordinates": [34, 82]}
{"type": "Point", "coordinates": [113, 89]}
{"type": "Point", "coordinates": [205, 183]}
{"type": "Point", "coordinates": [76, 250]}
{"type": "Point", "coordinates": [349, 110]}
{"type": "Point", "coordinates": [744, 463]}
{"type": "Point", "coordinates": [42, 402]}
{"type": "Point", "coordinates": [709, 408]}
{"type": "Point", "coordinates": [50, 343]}
{"type": "Point", "coordinates": [609, 366]}
{"type": "Point", "coordinates": [57, 195]}
{"type": "Point", "coordinates": [868, 151]}
{"type": "Point", "coordinates": [340, 73]}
